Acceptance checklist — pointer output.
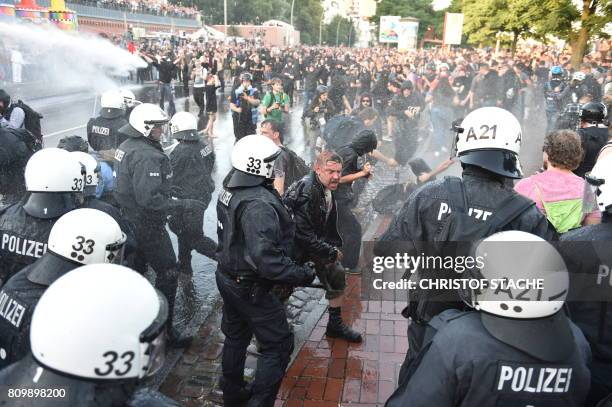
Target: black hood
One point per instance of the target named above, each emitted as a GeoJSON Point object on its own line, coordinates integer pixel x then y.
{"type": "Point", "coordinates": [111, 113]}
{"type": "Point", "coordinates": [364, 142]}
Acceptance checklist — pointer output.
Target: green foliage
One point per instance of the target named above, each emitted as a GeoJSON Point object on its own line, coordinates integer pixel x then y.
{"type": "Point", "coordinates": [419, 9]}
{"type": "Point", "coordinates": [339, 31]}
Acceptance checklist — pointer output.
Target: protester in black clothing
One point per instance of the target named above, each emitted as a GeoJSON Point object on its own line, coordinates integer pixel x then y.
{"type": "Point", "coordinates": [244, 102]}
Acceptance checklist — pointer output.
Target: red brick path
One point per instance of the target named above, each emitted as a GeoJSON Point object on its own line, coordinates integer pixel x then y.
{"type": "Point", "coordinates": [331, 372]}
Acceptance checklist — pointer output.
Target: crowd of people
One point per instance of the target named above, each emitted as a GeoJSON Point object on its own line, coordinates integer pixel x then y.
{"type": "Point", "coordinates": [284, 220]}
{"type": "Point", "coordinates": [154, 7]}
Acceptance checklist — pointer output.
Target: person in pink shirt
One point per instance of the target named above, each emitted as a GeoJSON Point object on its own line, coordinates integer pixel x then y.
{"type": "Point", "coordinates": [558, 192]}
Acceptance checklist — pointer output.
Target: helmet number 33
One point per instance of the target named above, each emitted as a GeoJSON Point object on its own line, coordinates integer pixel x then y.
{"type": "Point", "coordinates": [81, 247]}
{"type": "Point", "coordinates": [125, 363]}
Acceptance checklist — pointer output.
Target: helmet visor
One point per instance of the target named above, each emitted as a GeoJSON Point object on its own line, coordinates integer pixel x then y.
{"type": "Point", "coordinates": [269, 163]}
{"type": "Point", "coordinates": [115, 251]}
{"type": "Point", "coordinates": [153, 340]}
{"type": "Point", "coordinates": [590, 193]}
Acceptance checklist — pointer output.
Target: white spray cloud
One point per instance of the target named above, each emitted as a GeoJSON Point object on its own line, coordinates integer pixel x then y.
{"type": "Point", "coordinates": [70, 59]}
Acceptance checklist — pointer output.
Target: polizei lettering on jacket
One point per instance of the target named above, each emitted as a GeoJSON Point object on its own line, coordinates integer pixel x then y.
{"type": "Point", "coordinates": [516, 378]}
{"type": "Point", "coordinates": [11, 310]}
{"type": "Point", "coordinates": [479, 214]}
{"type": "Point", "coordinates": [21, 246]}
{"type": "Point", "coordinates": [104, 131]}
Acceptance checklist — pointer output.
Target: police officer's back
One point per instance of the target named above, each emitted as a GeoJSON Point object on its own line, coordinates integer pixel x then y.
{"type": "Point", "coordinates": [256, 235]}
{"type": "Point", "coordinates": [192, 162]}
{"type": "Point", "coordinates": [92, 344]}
{"type": "Point", "coordinates": [15, 152]}
{"type": "Point", "coordinates": [54, 180]}
{"type": "Point", "coordinates": [103, 132]}
{"type": "Point", "coordinates": [519, 349]}
{"type": "Point", "coordinates": [586, 252]}
{"type": "Point", "coordinates": [593, 134]}
{"type": "Point", "coordinates": [82, 236]}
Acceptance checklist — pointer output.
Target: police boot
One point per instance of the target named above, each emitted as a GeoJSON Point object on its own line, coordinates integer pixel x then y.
{"type": "Point", "coordinates": [337, 329]}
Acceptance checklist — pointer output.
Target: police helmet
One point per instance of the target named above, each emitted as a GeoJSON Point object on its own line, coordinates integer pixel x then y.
{"type": "Point", "coordinates": [184, 126]}
{"type": "Point", "coordinates": [92, 171]}
{"type": "Point", "coordinates": [524, 280]}
{"type": "Point", "coordinates": [599, 180]}
{"type": "Point", "coordinates": [129, 99]}
{"type": "Point", "coordinates": [111, 104]}
{"type": "Point", "coordinates": [143, 119]}
{"type": "Point", "coordinates": [252, 161]}
{"type": "Point", "coordinates": [490, 138]}
{"type": "Point", "coordinates": [246, 76]}
{"type": "Point", "coordinates": [556, 71]}
{"type": "Point", "coordinates": [87, 325]}
{"type": "Point", "coordinates": [82, 236]}
{"type": "Point", "coordinates": [578, 76]}
{"type": "Point", "coordinates": [73, 143]}
{"type": "Point", "coordinates": [593, 112]}
{"type": "Point", "coordinates": [52, 177]}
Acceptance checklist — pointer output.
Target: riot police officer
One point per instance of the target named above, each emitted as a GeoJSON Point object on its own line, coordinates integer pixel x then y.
{"type": "Point", "coordinates": [518, 349]}
{"type": "Point", "coordinates": [129, 101]}
{"type": "Point", "coordinates": [586, 252]}
{"type": "Point", "coordinates": [192, 165]}
{"type": "Point", "coordinates": [555, 92]}
{"type": "Point", "coordinates": [92, 343]}
{"type": "Point", "coordinates": [54, 180]}
{"type": "Point", "coordinates": [103, 132]}
{"type": "Point", "coordinates": [143, 192]}
{"type": "Point", "coordinates": [488, 145]}
{"type": "Point", "coordinates": [593, 134]}
{"type": "Point", "coordinates": [82, 236]}
{"type": "Point", "coordinates": [255, 251]}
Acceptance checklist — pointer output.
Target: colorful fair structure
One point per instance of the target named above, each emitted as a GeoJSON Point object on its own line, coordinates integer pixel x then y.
{"type": "Point", "coordinates": [30, 12]}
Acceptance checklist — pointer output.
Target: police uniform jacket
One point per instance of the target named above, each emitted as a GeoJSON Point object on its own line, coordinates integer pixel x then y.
{"type": "Point", "coordinates": [464, 365]}
{"type": "Point", "coordinates": [103, 133]}
{"type": "Point", "coordinates": [192, 166]}
{"type": "Point", "coordinates": [143, 188]}
{"type": "Point", "coordinates": [256, 236]}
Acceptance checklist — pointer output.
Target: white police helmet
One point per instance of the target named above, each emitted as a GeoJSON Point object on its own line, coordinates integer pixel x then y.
{"type": "Point", "coordinates": [253, 161]}
{"type": "Point", "coordinates": [111, 104]}
{"type": "Point", "coordinates": [129, 99]}
{"type": "Point", "coordinates": [578, 76]}
{"type": "Point", "coordinates": [48, 172]}
{"type": "Point", "coordinates": [89, 325]}
{"type": "Point", "coordinates": [143, 119]}
{"type": "Point", "coordinates": [490, 138]}
{"type": "Point", "coordinates": [92, 171]}
{"type": "Point", "coordinates": [525, 284]}
{"type": "Point", "coordinates": [599, 184]}
{"type": "Point", "coordinates": [184, 126]}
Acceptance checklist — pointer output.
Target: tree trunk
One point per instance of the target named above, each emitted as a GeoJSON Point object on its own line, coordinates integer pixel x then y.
{"type": "Point", "coordinates": [515, 35]}
{"type": "Point", "coordinates": [579, 44]}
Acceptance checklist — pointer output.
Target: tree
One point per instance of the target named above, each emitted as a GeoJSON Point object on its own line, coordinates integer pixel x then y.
{"type": "Point", "coordinates": [339, 31]}
{"type": "Point", "coordinates": [419, 9]}
{"type": "Point", "coordinates": [307, 15]}
{"type": "Point", "coordinates": [577, 26]}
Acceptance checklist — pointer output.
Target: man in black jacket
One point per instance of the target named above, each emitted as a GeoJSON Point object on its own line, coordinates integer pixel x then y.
{"type": "Point", "coordinates": [317, 238]}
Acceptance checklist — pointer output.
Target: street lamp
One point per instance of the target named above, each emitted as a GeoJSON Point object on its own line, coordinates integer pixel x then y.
{"type": "Point", "coordinates": [320, 28]}
{"type": "Point", "coordinates": [338, 29]}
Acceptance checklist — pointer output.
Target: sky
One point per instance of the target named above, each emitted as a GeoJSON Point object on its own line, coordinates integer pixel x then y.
{"type": "Point", "coordinates": [440, 4]}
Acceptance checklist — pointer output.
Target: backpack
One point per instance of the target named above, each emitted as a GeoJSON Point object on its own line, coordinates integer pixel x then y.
{"type": "Point", "coordinates": [456, 238]}
{"type": "Point", "coordinates": [31, 121]}
{"type": "Point", "coordinates": [296, 168]}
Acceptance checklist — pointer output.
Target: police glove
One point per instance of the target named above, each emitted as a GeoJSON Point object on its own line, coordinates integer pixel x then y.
{"type": "Point", "coordinates": [309, 273]}
{"type": "Point", "coordinates": [192, 205]}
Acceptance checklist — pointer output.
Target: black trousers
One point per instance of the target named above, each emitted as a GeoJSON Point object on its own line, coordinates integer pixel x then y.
{"type": "Point", "coordinates": [244, 129]}
{"type": "Point", "coordinates": [189, 229]}
{"type": "Point", "coordinates": [155, 249]}
{"type": "Point", "coordinates": [248, 312]}
{"type": "Point", "coordinates": [350, 232]}
{"type": "Point", "coordinates": [198, 96]}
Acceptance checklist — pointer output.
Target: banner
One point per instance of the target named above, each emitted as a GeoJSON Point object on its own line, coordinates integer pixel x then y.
{"type": "Point", "coordinates": [389, 29]}
{"type": "Point", "coordinates": [453, 28]}
{"type": "Point", "coordinates": [407, 39]}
